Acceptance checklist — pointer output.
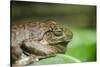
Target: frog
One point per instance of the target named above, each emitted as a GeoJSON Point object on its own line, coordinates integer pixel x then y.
{"type": "Point", "coordinates": [31, 42]}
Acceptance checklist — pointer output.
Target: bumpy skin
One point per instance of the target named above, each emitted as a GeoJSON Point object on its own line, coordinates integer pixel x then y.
{"type": "Point", "coordinates": [32, 41]}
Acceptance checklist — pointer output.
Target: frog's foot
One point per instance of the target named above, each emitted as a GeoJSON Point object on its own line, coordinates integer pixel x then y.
{"type": "Point", "coordinates": [26, 60]}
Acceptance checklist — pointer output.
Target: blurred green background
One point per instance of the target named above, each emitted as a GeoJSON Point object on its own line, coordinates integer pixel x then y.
{"type": "Point", "coordinates": [80, 19]}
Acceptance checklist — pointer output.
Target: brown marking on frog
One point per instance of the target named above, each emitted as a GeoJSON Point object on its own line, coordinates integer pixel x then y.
{"type": "Point", "coordinates": [33, 41]}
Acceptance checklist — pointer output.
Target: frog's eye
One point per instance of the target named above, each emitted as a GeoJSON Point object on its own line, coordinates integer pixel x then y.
{"type": "Point", "coordinates": [58, 33]}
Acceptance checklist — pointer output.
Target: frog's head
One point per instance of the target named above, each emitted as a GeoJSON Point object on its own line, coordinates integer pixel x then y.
{"type": "Point", "coordinates": [58, 34]}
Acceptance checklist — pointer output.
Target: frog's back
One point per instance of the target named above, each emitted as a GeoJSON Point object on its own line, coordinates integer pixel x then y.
{"type": "Point", "coordinates": [33, 30]}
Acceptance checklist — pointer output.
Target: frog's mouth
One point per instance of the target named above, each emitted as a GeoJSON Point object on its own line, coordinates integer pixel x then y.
{"type": "Point", "coordinates": [59, 41]}
{"type": "Point", "coordinates": [59, 47]}
{"type": "Point", "coordinates": [64, 38]}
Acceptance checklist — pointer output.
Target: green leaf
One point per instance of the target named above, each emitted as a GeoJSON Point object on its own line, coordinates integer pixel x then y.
{"type": "Point", "coordinates": [58, 59]}
{"type": "Point", "coordinates": [83, 45]}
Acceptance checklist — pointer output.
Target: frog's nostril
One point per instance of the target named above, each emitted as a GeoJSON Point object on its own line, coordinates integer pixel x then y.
{"type": "Point", "coordinates": [58, 33]}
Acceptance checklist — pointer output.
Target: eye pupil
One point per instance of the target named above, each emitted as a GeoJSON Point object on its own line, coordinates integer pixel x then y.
{"type": "Point", "coordinates": [58, 33]}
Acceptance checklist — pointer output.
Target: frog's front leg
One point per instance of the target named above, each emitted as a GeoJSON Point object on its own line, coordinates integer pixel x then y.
{"type": "Point", "coordinates": [19, 58]}
{"type": "Point", "coordinates": [25, 60]}
{"type": "Point", "coordinates": [35, 47]}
